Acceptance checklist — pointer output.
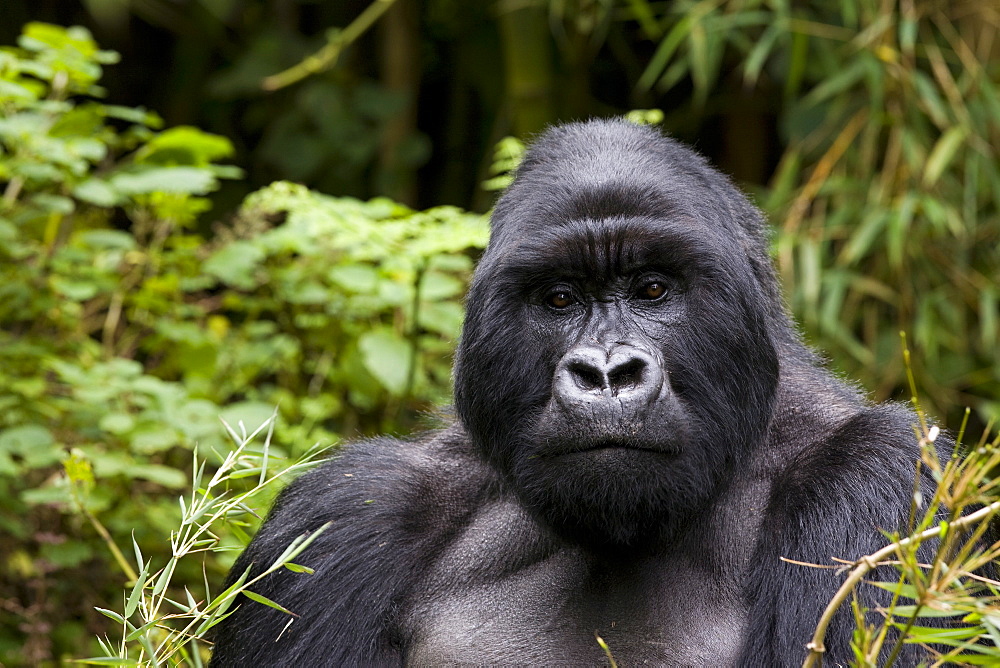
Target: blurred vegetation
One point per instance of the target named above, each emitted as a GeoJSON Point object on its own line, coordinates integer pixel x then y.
{"type": "Point", "coordinates": [149, 286]}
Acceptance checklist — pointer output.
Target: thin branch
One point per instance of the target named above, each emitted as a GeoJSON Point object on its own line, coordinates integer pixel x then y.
{"type": "Point", "coordinates": [867, 563]}
{"type": "Point", "coordinates": [327, 57]}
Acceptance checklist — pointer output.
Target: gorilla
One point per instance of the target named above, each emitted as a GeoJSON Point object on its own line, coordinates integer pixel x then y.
{"type": "Point", "coordinates": [640, 438]}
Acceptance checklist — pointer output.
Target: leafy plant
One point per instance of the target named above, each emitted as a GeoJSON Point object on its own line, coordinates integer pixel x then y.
{"type": "Point", "coordinates": [158, 630]}
{"type": "Point", "coordinates": [887, 197]}
{"type": "Point", "coordinates": [950, 603]}
{"type": "Point", "coordinates": [125, 334]}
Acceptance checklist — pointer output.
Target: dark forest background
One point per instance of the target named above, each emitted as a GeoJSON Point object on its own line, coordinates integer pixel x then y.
{"type": "Point", "coordinates": [413, 107]}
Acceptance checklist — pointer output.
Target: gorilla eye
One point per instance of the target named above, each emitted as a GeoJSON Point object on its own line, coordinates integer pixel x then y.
{"type": "Point", "coordinates": [559, 299]}
{"type": "Point", "coordinates": [653, 290]}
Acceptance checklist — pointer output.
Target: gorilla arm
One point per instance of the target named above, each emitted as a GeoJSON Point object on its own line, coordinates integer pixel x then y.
{"type": "Point", "coordinates": [387, 524]}
{"type": "Point", "coordinates": [830, 502]}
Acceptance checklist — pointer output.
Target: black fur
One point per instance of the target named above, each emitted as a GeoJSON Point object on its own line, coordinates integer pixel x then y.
{"type": "Point", "coordinates": [640, 436]}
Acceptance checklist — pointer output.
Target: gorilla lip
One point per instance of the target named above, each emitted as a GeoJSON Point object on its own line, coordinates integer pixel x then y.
{"type": "Point", "coordinates": [618, 444]}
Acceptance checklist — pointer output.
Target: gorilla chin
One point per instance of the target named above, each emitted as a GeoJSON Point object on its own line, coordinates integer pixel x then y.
{"type": "Point", "coordinates": [613, 497]}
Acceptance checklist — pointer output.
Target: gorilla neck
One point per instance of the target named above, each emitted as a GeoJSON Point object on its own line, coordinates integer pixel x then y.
{"type": "Point", "coordinates": [618, 536]}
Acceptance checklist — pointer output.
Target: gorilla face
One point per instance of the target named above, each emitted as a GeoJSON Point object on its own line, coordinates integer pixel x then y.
{"type": "Point", "coordinates": [617, 360]}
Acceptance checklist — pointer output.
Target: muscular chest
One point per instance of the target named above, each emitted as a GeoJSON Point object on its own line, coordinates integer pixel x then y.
{"type": "Point", "coordinates": [484, 602]}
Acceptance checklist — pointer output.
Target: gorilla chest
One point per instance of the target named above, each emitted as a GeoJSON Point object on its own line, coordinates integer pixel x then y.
{"type": "Point", "coordinates": [533, 606]}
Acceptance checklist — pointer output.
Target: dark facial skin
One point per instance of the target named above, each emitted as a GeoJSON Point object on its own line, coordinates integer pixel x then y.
{"type": "Point", "coordinates": [624, 427]}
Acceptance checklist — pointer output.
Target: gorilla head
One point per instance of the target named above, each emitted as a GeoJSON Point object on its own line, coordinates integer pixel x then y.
{"type": "Point", "coordinates": [618, 359]}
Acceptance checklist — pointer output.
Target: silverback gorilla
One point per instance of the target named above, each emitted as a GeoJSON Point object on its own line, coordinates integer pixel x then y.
{"type": "Point", "coordinates": [640, 437]}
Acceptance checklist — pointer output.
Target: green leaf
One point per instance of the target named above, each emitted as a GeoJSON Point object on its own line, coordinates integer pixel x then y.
{"type": "Point", "coordinates": [10, 91]}
{"type": "Point", "coordinates": [356, 278]}
{"type": "Point", "coordinates": [185, 145]}
{"type": "Point", "coordinates": [955, 637]}
{"type": "Point", "coordinates": [97, 192]}
{"type": "Point", "coordinates": [864, 238]}
{"type": "Point", "coordinates": [435, 286]}
{"type": "Point", "coordinates": [34, 444]}
{"type": "Point", "coordinates": [22, 440]}
{"type": "Point", "coordinates": [444, 318]}
{"type": "Point", "coordinates": [923, 611]}
{"type": "Point", "coordinates": [152, 437]}
{"type": "Point", "coordinates": [754, 62]}
{"type": "Point", "coordinates": [665, 51]}
{"type": "Point", "coordinates": [296, 568]}
{"type": "Point", "coordinates": [111, 614]}
{"type": "Point", "coordinates": [236, 264]}
{"type": "Point", "coordinates": [117, 423]}
{"type": "Point", "coordinates": [74, 290]}
{"type": "Point", "coordinates": [297, 547]}
{"type": "Point", "coordinates": [161, 475]}
{"type": "Point", "coordinates": [108, 661]}
{"type": "Point", "coordinates": [136, 115]}
{"type": "Point", "coordinates": [268, 602]}
{"type": "Point", "coordinates": [54, 203]}
{"type": "Point", "coordinates": [146, 180]}
{"type": "Point", "coordinates": [943, 152]}
{"type": "Point", "coordinates": [904, 590]}
{"type": "Point", "coordinates": [837, 83]}
{"type": "Point", "coordinates": [387, 356]}
{"type": "Point", "coordinates": [136, 595]}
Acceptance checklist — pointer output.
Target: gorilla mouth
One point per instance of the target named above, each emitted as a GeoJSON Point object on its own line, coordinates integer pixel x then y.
{"type": "Point", "coordinates": [620, 444]}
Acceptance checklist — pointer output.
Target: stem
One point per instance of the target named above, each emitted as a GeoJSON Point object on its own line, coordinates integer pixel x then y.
{"type": "Point", "coordinates": [110, 542]}
{"type": "Point", "coordinates": [607, 650]}
{"type": "Point", "coordinates": [102, 532]}
{"type": "Point", "coordinates": [898, 647]}
{"type": "Point", "coordinates": [327, 57]}
{"type": "Point", "coordinates": [12, 191]}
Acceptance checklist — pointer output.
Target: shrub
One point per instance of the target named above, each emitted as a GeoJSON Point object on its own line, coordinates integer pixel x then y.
{"type": "Point", "coordinates": [125, 334]}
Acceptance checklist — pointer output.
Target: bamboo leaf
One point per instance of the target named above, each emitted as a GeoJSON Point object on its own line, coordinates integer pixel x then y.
{"type": "Point", "coordinates": [296, 568]}
{"type": "Point", "coordinates": [268, 602]}
{"type": "Point", "coordinates": [664, 52]}
{"type": "Point", "coordinates": [296, 548]}
{"type": "Point", "coordinates": [136, 595]}
{"type": "Point", "coordinates": [837, 83]}
{"type": "Point", "coordinates": [943, 153]}
{"type": "Point", "coordinates": [758, 55]}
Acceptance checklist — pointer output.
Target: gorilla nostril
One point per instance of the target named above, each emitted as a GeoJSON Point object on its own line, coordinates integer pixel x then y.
{"type": "Point", "coordinates": [586, 376]}
{"type": "Point", "coordinates": [628, 374]}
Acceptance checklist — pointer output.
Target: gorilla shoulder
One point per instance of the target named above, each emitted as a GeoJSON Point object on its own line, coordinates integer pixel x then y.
{"type": "Point", "coordinates": [388, 508]}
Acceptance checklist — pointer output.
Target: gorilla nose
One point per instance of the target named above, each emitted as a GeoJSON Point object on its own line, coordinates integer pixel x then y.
{"type": "Point", "coordinates": [591, 375]}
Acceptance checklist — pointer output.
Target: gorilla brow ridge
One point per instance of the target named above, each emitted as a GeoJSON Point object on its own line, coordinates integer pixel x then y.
{"type": "Point", "coordinates": [602, 249]}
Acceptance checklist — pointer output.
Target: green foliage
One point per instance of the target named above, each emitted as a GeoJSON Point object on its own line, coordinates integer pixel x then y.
{"type": "Point", "coordinates": [887, 197]}
{"type": "Point", "coordinates": [948, 603]}
{"type": "Point", "coordinates": [370, 290]}
{"type": "Point", "coordinates": [60, 152]}
{"type": "Point", "coordinates": [894, 221]}
{"type": "Point", "coordinates": [125, 335]}
{"type": "Point", "coordinates": [156, 629]}
{"type": "Point", "coordinates": [506, 157]}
